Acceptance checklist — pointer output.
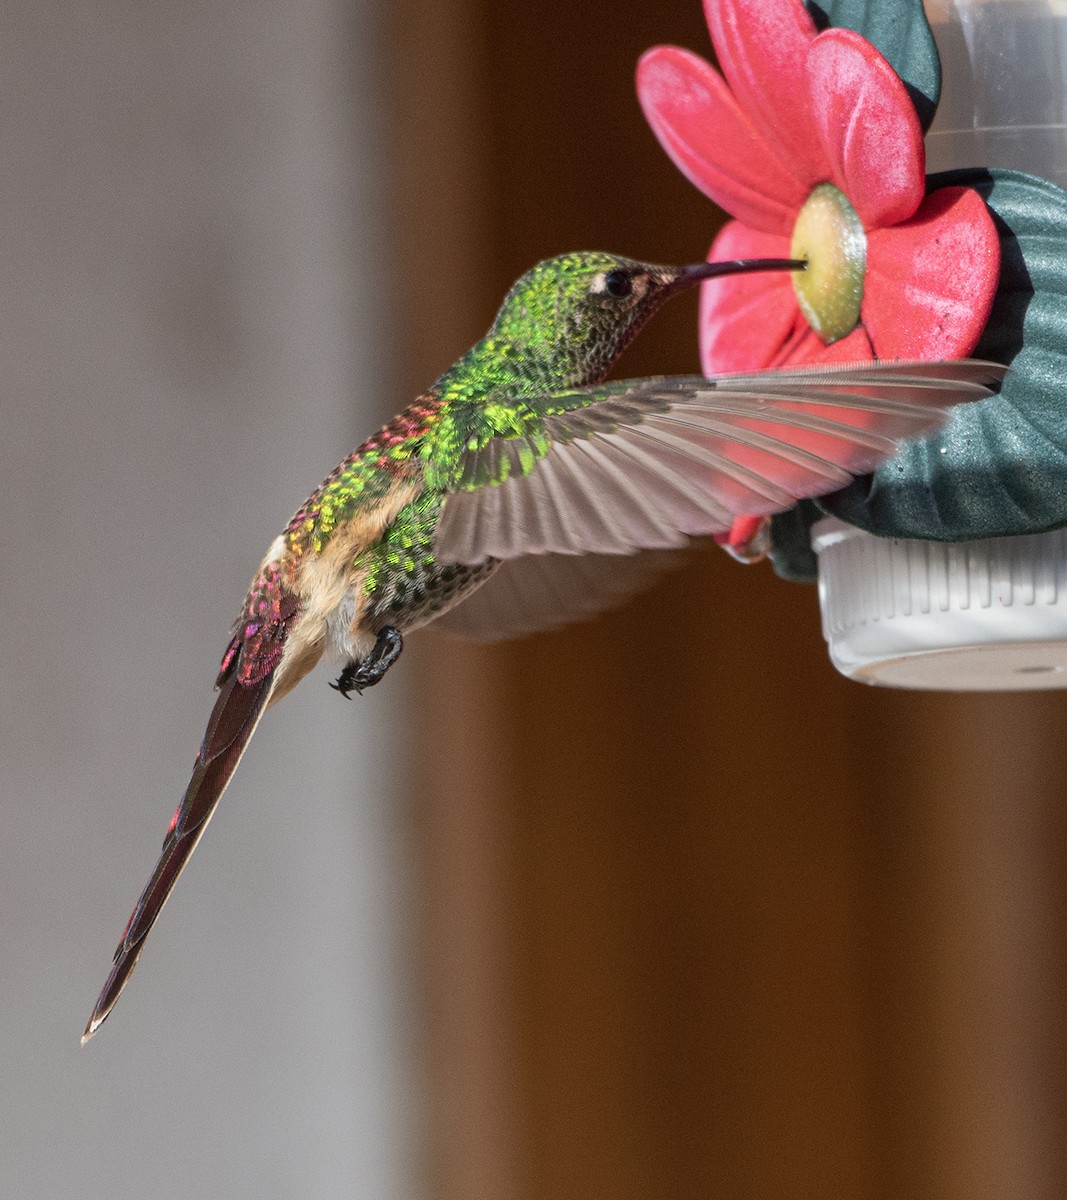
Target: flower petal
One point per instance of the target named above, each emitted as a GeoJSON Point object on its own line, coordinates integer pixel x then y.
{"type": "Point", "coordinates": [762, 48]}
{"type": "Point", "coordinates": [748, 539]}
{"type": "Point", "coordinates": [931, 280]}
{"type": "Point", "coordinates": [808, 347]}
{"type": "Point", "coordinates": [746, 320]}
{"type": "Point", "coordinates": [868, 126]}
{"type": "Point", "coordinates": [712, 142]}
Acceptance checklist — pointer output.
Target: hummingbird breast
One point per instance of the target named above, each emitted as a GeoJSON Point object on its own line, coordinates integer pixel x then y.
{"type": "Point", "coordinates": [404, 584]}
{"type": "Point", "coordinates": [421, 590]}
{"type": "Point", "coordinates": [379, 568]}
{"type": "Point", "coordinates": [405, 591]}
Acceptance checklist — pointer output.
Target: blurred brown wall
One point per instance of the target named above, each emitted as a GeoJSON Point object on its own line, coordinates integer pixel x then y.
{"type": "Point", "coordinates": [701, 918]}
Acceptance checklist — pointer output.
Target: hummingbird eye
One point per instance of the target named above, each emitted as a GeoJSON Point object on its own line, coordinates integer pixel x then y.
{"type": "Point", "coordinates": [618, 283]}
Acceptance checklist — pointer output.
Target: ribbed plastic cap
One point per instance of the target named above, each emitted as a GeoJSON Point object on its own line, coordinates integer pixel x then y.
{"type": "Point", "coordinates": [968, 616]}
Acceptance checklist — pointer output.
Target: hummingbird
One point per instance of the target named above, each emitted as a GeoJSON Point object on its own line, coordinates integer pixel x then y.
{"type": "Point", "coordinates": [521, 491]}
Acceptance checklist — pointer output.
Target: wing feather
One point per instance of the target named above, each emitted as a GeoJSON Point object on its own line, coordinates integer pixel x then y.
{"type": "Point", "coordinates": [673, 483]}
{"type": "Point", "coordinates": [634, 512]}
{"type": "Point", "coordinates": [541, 591]}
{"type": "Point", "coordinates": [636, 464]}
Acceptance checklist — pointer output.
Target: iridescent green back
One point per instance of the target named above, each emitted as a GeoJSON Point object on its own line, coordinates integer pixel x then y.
{"type": "Point", "coordinates": [553, 332]}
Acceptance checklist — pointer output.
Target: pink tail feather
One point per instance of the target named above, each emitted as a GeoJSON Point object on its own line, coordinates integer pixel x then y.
{"type": "Point", "coordinates": [233, 721]}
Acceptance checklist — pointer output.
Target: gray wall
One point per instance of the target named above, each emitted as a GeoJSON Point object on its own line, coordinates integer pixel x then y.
{"type": "Point", "coordinates": [190, 208]}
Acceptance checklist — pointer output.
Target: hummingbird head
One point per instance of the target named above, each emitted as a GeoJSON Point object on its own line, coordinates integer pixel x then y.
{"type": "Point", "coordinates": [571, 317]}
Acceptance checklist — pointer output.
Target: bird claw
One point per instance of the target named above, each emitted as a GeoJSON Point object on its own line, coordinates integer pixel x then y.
{"type": "Point", "coordinates": [366, 672]}
{"type": "Point", "coordinates": [344, 684]}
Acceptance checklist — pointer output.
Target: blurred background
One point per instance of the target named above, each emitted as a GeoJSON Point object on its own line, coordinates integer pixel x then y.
{"type": "Point", "coordinates": [654, 906]}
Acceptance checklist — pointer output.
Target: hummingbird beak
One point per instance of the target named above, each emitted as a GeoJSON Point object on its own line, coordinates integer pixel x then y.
{"type": "Point", "coordinates": [677, 279]}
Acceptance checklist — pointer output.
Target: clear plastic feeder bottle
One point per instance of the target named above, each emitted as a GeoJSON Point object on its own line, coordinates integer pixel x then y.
{"type": "Point", "coordinates": [967, 616]}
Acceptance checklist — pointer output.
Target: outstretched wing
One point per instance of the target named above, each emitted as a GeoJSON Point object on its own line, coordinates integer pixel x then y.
{"type": "Point", "coordinates": [645, 464]}
{"type": "Point", "coordinates": [594, 504]}
{"type": "Point", "coordinates": [540, 591]}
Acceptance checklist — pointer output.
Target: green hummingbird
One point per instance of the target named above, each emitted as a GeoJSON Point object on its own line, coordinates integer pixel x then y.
{"type": "Point", "coordinates": [516, 493]}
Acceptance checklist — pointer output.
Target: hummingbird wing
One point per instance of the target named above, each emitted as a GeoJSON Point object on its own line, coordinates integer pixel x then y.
{"type": "Point", "coordinates": [245, 683]}
{"type": "Point", "coordinates": [644, 465]}
{"type": "Point", "coordinates": [540, 591]}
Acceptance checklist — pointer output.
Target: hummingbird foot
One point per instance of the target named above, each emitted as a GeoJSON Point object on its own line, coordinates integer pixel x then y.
{"type": "Point", "coordinates": [366, 672]}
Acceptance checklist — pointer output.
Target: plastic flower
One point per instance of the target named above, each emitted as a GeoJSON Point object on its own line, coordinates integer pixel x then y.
{"type": "Point", "coordinates": [812, 144]}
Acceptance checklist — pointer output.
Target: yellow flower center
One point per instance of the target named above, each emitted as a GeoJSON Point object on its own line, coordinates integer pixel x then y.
{"type": "Point", "coordinates": [830, 237]}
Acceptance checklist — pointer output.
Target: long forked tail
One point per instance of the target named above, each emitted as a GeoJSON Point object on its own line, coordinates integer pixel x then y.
{"type": "Point", "coordinates": [233, 721]}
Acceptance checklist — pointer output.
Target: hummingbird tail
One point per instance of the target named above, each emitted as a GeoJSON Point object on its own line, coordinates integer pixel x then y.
{"type": "Point", "coordinates": [233, 721]}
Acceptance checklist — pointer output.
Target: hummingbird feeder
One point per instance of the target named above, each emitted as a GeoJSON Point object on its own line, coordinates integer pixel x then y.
{"type": "Point", "coordinates": [947, 567]}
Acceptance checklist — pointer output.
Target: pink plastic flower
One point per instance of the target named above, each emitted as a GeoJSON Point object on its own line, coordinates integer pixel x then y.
{"type": "Point", "coordinates": [812, 144]}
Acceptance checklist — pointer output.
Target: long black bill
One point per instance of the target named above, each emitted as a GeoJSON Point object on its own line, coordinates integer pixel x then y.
{"type": "Point", "coordinates": [687, 276]}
